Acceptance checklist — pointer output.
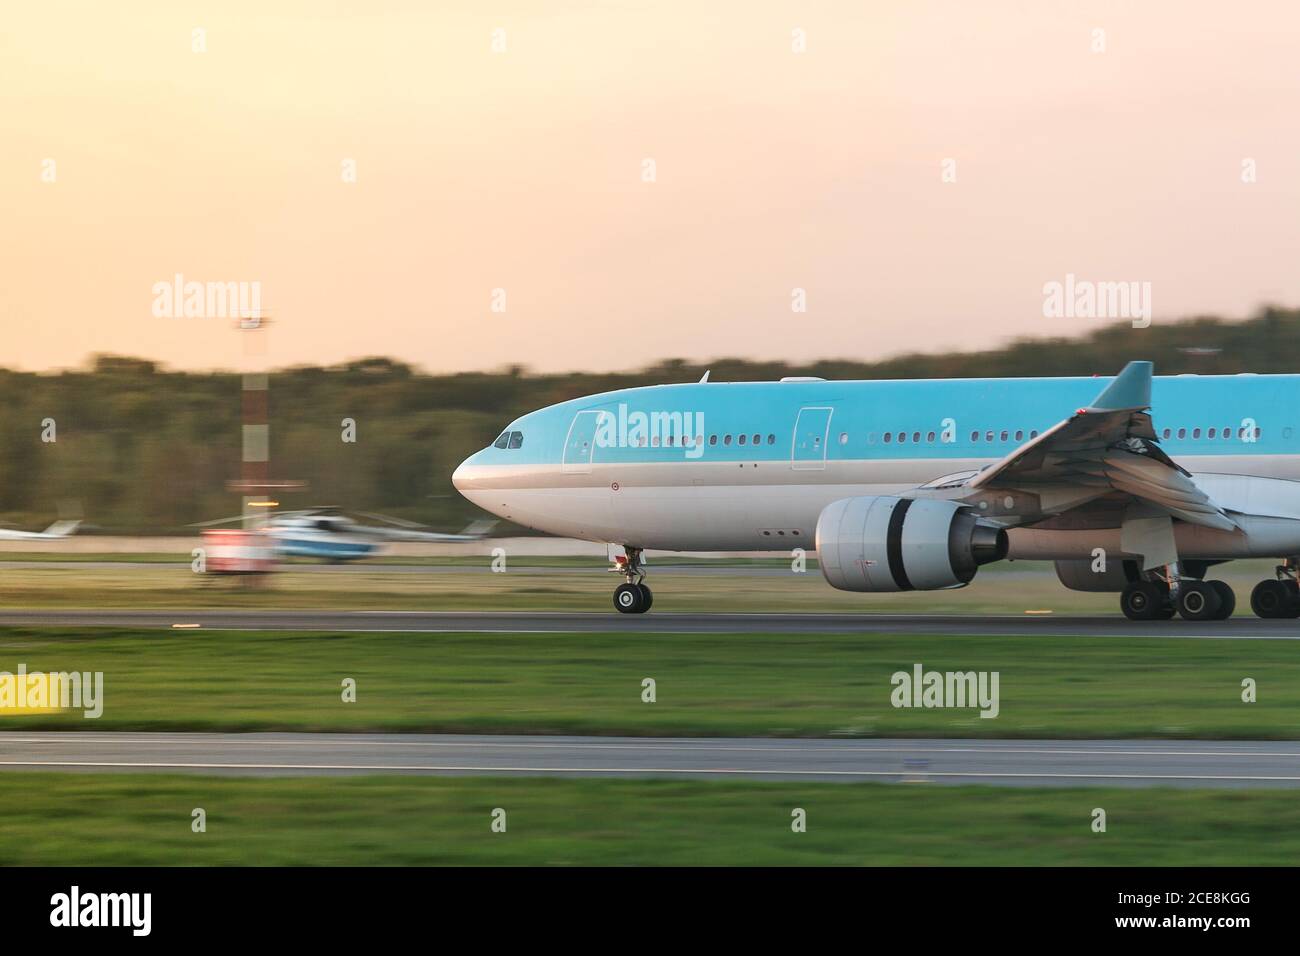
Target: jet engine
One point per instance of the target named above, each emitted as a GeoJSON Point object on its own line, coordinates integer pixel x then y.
{"type": "Point", "coordinates": [878, 543]}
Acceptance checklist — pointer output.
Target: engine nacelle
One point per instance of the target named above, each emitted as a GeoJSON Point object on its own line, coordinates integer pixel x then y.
{"type": "Point", "coordinates": [878, 543]}
{"type": "Point", "coordinates": [1079, 575]}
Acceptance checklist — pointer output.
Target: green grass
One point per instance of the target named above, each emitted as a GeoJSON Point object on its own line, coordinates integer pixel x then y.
{"type": "Point", "coordinates": [534, 584]}
{"type": "Point", "coordinates": [737, 684]}
{"type": "Point", "coordinates": [519, 589]}
{"type": "Point", "coordinates": [83, 819]}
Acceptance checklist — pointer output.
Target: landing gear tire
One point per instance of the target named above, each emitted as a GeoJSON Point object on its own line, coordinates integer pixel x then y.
{"type": "Point", "coordinates": [1275, 599]}
{"type": "Point", "coordinates": [1227, 599]}
{"type": "Point", "coordinates": [647, 596]}
{"type": "Point", "coordinates": [1144, 601]}
{"type": "Point", "coordinates": [1199, 601]}
{"type": "Point", "coordinates": [629, 599]}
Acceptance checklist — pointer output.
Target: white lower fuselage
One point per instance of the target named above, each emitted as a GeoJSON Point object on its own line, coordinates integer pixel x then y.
{"type": "Point", "coordinates": [773, 506]}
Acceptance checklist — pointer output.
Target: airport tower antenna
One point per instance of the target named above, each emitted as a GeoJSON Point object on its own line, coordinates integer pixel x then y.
{"type": "Point", "coordinates": [255, 484]}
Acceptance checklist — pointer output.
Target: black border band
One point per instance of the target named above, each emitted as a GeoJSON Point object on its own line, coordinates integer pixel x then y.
{"type": "Point", "coordinates": [894, 545]}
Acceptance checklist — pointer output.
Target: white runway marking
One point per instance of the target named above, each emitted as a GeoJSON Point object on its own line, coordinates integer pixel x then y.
{"type": "Point", "coordinates": [1138, 762]}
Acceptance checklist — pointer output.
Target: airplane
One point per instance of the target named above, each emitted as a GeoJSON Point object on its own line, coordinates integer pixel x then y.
{"type": "Point", "coordinates": [915, 484]}
{"type": "Point", "coordinates": [331, 534]}
{"type": "Point", "coordinates": [60, 529]}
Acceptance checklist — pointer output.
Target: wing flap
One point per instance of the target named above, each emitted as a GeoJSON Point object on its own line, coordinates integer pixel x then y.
{"type": "Point", "coordinates": [1110, 444]}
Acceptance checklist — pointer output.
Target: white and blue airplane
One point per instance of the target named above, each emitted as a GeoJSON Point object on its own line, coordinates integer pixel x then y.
{"type": "Point", "coordinates": [1137, 485]}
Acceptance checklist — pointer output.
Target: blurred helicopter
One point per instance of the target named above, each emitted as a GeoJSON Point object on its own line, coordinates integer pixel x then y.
{"type": "Point", "coordinates": [332, 535]}
{"type": "Point", "coordinates": [60, 529]}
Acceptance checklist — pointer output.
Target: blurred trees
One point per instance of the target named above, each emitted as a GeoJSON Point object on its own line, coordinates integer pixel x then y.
{"type": "Point", "coordinates": [141, 449]}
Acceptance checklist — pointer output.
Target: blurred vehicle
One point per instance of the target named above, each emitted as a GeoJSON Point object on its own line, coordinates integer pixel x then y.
{"type": "Point", "coordinates": [235, 551]}
{"type": "Point", "coordinates": [333, 535]}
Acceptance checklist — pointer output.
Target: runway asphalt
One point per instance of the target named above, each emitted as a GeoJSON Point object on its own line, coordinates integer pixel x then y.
{"type": "Point", "coordinates": [1001, 762]}
{"type": "Point", "coordinates": [656, 622]}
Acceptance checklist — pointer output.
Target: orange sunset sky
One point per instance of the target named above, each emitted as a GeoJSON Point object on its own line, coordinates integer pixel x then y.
{"type": "Point", "coordinates": [522, 170]}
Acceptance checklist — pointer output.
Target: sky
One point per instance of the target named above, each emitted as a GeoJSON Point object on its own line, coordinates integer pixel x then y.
{"type": "Point", "coordinates": [597, 186]}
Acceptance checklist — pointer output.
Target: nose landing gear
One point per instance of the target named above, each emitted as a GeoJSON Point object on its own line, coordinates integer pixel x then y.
{"type": "Point", "coordinates": [633, 596]}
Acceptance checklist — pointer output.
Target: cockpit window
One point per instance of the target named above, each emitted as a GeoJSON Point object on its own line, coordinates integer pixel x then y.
{"type": "Point", "coordinates": [516, 439]}
{"type": "Point", "coordinates": [501, 441]}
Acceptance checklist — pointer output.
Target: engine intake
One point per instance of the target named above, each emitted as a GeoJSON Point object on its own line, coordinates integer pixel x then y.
{"type": "Point", "coordinates": [879, 543]}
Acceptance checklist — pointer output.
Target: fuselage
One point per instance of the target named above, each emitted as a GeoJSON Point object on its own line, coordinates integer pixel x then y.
{"type": "Point", "coordinates": [751, 466]}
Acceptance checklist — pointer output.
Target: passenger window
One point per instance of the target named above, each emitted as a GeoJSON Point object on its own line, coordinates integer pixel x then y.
{"type": "Point", "coordinates": [516, 439]}
{"type": "Point", "coordinates": [1213, 432]}
{"type": "Point", "coordinates": [1167, 433]}
{"type": "Point", "coordinates": [889, 436]}
{"type": "Point", "coordinates": [669, 441]}
{"type": "Point", "coordinates": [713, 439]}
{"type": "Point", "coordinates": [757, 439]}
{"type": "Point", "coordinates": [771, 439]}
{"type": "Point", "coordinates": [1004, 436]}
{"type": "Point", "coordinates": [1196, 433]}
{"type": "Point", "coordinates": [929, 437]}
{"type": "Point", "coordinates": [741, 440]}
{"type": "Point", "coordinates": [844, 438]}
{"type": "Point", "coordinates": [974, 436]}
{"type": "Point", "coordinates": [1034, 433]}
{"type": "Point", "coordinates": [726, 439]}
{"type": "Point", "coordinates": [1182, 433]}
{"type": "Point", "coordinates": [988, 436]}
{"type": "Point", "coordinates": [902, 437]}
{"type": "Point", "coordinates": [502, 440]}
{"type": "Point", "coordinates": [1020, 435]}
{"type": "Point", "coordinates": [916, 438]}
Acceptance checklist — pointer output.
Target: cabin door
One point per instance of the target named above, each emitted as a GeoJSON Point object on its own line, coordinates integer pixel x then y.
{"type": "Point", "coordinates": [811, 428]}
{"type": "Point", "coordinates": [580, 444]}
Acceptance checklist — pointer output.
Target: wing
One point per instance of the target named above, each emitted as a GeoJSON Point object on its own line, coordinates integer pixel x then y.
{"type": "Point", "coordinates": [60, 529]}
{"type": "Point", "coordinates": [1105, 448]}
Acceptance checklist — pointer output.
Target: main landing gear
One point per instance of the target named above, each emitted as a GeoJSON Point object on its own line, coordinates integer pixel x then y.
{"type": "Point", "coordinates": [633, 596]}
{"type": "Point", "coordinates": [1159, 598]}
{"type": "Point", "coordinates": [1280, 597]}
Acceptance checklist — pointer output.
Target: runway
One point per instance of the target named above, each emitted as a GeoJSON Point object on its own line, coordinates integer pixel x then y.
{"type": "Point", "coordinates": [656, 622]}
{"type": "Point", "coordinates": [998, 762]}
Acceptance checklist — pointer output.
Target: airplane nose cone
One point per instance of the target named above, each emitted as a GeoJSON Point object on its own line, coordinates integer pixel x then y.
{"type": "Point", "coordinates": [458, 476]}
{"type": "Point", "coordinates": [463, 478]}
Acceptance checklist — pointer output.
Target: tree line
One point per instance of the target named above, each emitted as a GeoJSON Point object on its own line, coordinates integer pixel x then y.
{"type": "Point", "coordinates": [143, 449]}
